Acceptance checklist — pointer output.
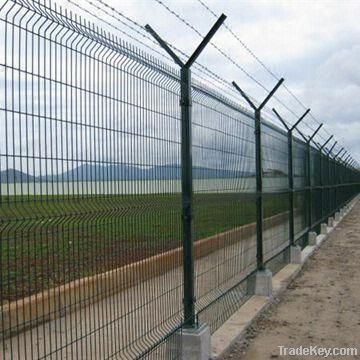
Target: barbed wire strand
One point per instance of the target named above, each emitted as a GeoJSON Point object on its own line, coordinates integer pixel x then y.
{"type": "Point", "coordinates": [199, 67]}
{"type": "Point", "coordinates": [204, 69]}
{"type": "Point", "coordinates": [276, 77]}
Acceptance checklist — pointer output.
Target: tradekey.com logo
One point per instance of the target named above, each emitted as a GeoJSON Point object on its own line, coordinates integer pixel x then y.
{"type": "Point", "coordinates": [316, 350]}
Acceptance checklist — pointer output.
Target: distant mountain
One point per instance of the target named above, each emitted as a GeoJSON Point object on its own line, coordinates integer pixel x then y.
{"type": "Point", "coordinates": [126, 172]}
{"type": "Point", "coordinates": [14, 176]}
{"type": "Point", "coordinates": [273, 173]}
{"type": "Point", "coordinates": [89, 172]}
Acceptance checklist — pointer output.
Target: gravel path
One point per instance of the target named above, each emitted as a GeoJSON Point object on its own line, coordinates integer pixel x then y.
{"type": "Point", "coordinates": [321, 307]}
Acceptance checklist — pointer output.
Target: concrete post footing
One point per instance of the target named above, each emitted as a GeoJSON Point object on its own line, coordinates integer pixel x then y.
{"type": "Point", "coordinates": [331, 221]}
{"type": "Point", "coordinates": [323, 229]}
{"type": "Point", "coordinates": [263, 283]}
{"type": "Point", "coordinates": [295, 254]}
{"type": "Point", "coordinates": [337, 216]}
{"type": "Point", "coordinates": [195, 344]}
{"type": "Point", "coordinates": [312, 238]}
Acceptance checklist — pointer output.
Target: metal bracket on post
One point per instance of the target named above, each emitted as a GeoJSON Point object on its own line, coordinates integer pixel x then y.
{"type": "Point", "coordinates": [186, 166]}
{"type": "Point", "coordinates": [331, 149]}
{"type": "Point", "coordinates": [291, 171]}
{"type": "Point", "coordinates": [338, 153]}
{"type": "Point", "coordinates": [259, 170]}
{"type": "Point", "coordinates": [325, 143]}
{"type": "Point", "coordinates": [346, 159]}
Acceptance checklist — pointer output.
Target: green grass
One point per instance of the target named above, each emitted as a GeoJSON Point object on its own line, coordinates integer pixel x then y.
{"type": "Point", "coordinates": [47, 241]}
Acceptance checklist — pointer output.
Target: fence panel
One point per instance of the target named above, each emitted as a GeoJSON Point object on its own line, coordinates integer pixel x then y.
{"type": "Point", "coordinates": [301, 215]}
{"type": "Point", "coordinates": [276, 198]}
{"type": "Point", "coordinates": [224, 208]}
{"type": "Point", "coordinates": [316, 190]}
{"type": "Point", "coordinates": [91, 193]}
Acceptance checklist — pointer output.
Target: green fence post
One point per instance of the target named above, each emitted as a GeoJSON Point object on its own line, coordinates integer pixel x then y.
{"type": "Point", "coordinates": [186, 167]}
{"type": "Point", "coordinates": [291, 172]}
{"type": "Point", "coordinates": [259, 171]}
{"type": "Point", "coordinates": [310, 222]}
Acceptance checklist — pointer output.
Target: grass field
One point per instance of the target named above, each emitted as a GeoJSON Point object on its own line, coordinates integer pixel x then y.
{"type": "Point", "coordinates": [47, 241]}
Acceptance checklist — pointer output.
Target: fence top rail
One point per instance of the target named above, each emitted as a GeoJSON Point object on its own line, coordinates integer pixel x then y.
{"type": "Point", "coordinates": [55, 14]}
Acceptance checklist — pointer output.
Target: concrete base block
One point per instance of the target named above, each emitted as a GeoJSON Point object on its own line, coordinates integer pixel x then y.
{"type": "Point", "coordinates": [194, 344]}
{"type": "Point", "coordinates": [323, 229]}
{"type": "Point", "coordinates": [286, 256]}
{"type": "Point", "coordinates": [330, 221]}
{"type": "Point", "coordinates": [312, 238]}
{"type": "Point", "coordinates": [295, 255]}
{"type": "Point", "coordinates": [337, 216]}
{"type": "Point", "coordinates": [263, 283]}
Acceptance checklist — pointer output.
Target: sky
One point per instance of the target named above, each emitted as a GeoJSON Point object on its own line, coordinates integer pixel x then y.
{"type": "Point", "coordinates": [314, 45]}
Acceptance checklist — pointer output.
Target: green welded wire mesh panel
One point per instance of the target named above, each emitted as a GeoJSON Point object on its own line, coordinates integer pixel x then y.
{"type": "Point", "coordinates": [300, 166]}
{"type": "Point", "coordinates": [276, 197]}
{"type": "Point", "coordinates": [274, 159]}
{"type": "Point", "coordinates": [224, 209]}
{"type": "Point", "coordinates": [90, 185]}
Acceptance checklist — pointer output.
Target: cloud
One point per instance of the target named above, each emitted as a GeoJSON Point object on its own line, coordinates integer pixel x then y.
{"type": "Point", "coordinates": [333, 90]}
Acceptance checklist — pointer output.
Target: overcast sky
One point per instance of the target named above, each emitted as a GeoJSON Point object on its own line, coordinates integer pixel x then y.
{"type": "Point", "coordinates": [314, 45]}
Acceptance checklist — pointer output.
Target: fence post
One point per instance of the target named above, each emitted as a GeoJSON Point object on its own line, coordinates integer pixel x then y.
{"type": "Point", "coordinates": [259, 171]}
{"type": "Point", "coordinates": [259, 192]}
{"type": "Point", "coordinates": [309, 182]}
{"type": "Point", "coordinates": [291, 172]}
{"type": "Point", "coordinates": [187, 195]}
{"type": "Point", "coordinates": [321, 184]}
{"type": "Point", "coordinates": [186, 167]}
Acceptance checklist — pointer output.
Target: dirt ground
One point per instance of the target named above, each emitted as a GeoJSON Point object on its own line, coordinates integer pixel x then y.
{"type": "Point", "coordinates": [321, 307]}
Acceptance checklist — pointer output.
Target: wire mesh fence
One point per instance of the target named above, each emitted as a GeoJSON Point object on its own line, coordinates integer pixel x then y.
{"type": "Point", "coordinates": [301, 215]}
{"type": "Point", "coordinates": [92, 262]}
{"type": "Point", "coordinates": [223, 149]}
